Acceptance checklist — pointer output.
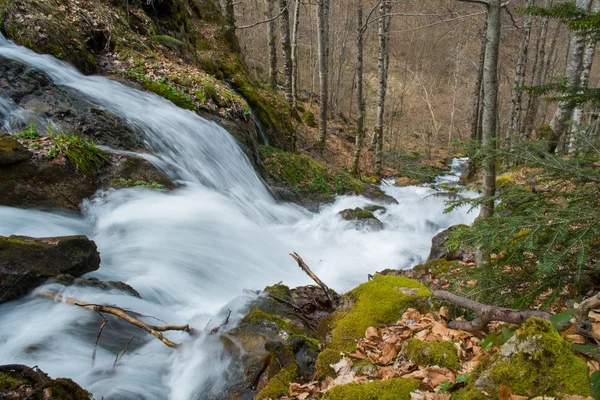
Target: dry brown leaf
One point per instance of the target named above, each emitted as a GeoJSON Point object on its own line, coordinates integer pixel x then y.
{"type": "Point", "coordinates": [517, 397]}
{"type": "Point", "coordinates": [372, 334]}
{"type": "Point", "coordinates": [504, 392]}
{"type": "Point", "coordinates": [576, 397]}
{"type": "Point", "coordinates": [386, 373]}
{"type": "Point", "coordinates": [444, 313]}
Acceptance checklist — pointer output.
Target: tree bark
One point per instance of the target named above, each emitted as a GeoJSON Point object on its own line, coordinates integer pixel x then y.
{"type": "Point", "coordinates": [295, 73]}
{"type": "Point", "coordinates": [323, 55]}
{"type": "Point", "coordinates": [558, 125]}
{"type": "Point", "coordinates": [490, 105]}
{"type": "Point", "coordinates": [360, 99]}
{"type": "Point", "coordinates": [533, 104]}
{"type": "Point", "coordinates": [272, 43]}
{"type": "Point", "coordinates": [584, 79]}
{"type": "Point", "coordinates": [517, 94]}
{"type": "Point", "coordinates": [286, 48]}
{"type": "Point", "coordinates": [230, 25]}
{"type": "Point", "coordinates": [382, 69]}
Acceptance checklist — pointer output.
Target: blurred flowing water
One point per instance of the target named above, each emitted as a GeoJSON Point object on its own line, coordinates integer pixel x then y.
{"type": "Point", "coordinates": [190, 253]}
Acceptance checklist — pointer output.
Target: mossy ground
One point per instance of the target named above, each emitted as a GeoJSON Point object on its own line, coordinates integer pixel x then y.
{"type": "Point", "coordinates": [305, 175]}
{"type": "Point", "coordinates": [442, 354]}
{"type": "Point", "coordinates": [278, 385]}
{"type": "Point", "coordinates": [392, 389]}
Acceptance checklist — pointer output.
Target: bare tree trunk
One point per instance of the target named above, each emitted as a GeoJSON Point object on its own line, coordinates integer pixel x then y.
{"type": "Point", "coordinates": [558, 125]}
{"type": "Point", "coordinates": [323, 54]}
{"type": "Point", "coordinates": [272, 43]}
{"type": "Point", "coordinates": [295, 72]}
{"type": "Point", "coordinates": [538, 74]}
{"type": "Point", "coordinates": [477, 97]}
{"type": "Point", "coordinates": [286, 48]}
{"type": "Point", "coordinates": [550, 62]}
{"type": "Point", "coordinates": [521, 68]}
{"type": "Point", "coordinates": [360, 99]}
{"type": "Point", "coordinates": [381, 85]}
{"type": "Point", "coordinates": [584, 79]}
{"type": "Point", "coordinates": [490, 104]}
{"type": "Point", "coordinates": [230, 36]}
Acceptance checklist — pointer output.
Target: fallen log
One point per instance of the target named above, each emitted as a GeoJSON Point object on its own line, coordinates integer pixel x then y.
{"type": "Point", "coordinates": [582, 320]}
{"type": "Point", "coordinates": [312, 275]}
{"type": "Point", "coordinates": [122, 314]}
{"type": "Point", "coordinates": [486, 313]}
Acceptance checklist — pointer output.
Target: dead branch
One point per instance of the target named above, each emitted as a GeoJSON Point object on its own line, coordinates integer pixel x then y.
{"type": "Point", "coordinates": [117, 312]}
{"type": "Point", "coordinates": [120, 355]}
{"type": "Point", "coordinates": [102, 325]}
{"type": "Point", "coordinates": [582, 321]}
{"type": "Point", "coordinates": [217, 328]}
{"type": "Point", "coordinates": [486, 313]}
{"type": "Point", "coordinates": [312, 275]}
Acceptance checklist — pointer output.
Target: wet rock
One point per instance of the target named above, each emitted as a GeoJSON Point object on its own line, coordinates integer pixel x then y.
{"type": "Point", "coordinates": [438, 247]}
{"type": "Point", "coordinates": [375, 193]}
{"type": "Point", "coordinates": [363, 218]}
{"type": "Point", "coordinates": [68, 108]}
{"type": "Point", "coordinates": [404, 181]}
{"type": "Point", "coordinates": [11, 151]}
{"type": "Point", "coordinates": [28, 262]}
{"type": "Point", "coordinates": [375, 208]}
{"type": "Point", "coordinates": [135, 171]}
{"type": "Point", "coordinates": [20, 382]}
{"type": "Point", "coordinates": [69, 280]}
{"type": "Point", "coordinates": [278, 338]}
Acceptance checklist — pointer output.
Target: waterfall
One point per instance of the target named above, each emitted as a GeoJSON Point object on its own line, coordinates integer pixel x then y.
{"type": "Point", "coordinates": [190, 253]}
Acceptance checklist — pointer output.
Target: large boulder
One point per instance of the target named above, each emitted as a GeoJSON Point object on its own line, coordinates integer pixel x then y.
{"type": "Point", "coordinates": [73, 111]}
{"type": "Point", "coordinates": [439, 250]}
{"type": "Point", "coordinates": [20, 382]}
{"type": "Point", "coordinates": [28, 262]}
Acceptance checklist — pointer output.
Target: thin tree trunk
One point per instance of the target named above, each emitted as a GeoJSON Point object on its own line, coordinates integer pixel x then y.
{"type": "Point", "coordinates": [521, 68]}
{"type": "Point", "coordinates": [272, 43]}
{"type": "Point", "coordinates": [230, 25]}
{"type": "Point", "coordinates": [550, 62]}
{"type": "Point", "coordinates": [381, 86]}
{"type": "Point", "coordinates": [477, 97]}
{"type": "Point", "coordinates": [360, 100]}
{"type": "Point", "coordinates": [538, 74]}
{"type": "Point", "coordinates": [490, 105]}
{"type": "Point", "coordinates": [295, 72]}
{"type": "Point", "coordinates": [588, 59]}
{"type": "Point", "coordinates": [323, 54]}
{"type": "Point", "coordinates": [286, 48]}
{"type": "Point", "coordinates": [558, 125]}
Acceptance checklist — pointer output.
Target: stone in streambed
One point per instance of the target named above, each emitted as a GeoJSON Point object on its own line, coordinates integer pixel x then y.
{"type": "Point", "coordinates": [12, 152]}
{"type": "Point", "coordinates": [363, 218]}
{"type": "Point", "coordinates": [28, 262]}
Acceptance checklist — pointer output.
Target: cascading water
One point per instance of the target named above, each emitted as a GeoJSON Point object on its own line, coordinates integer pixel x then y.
{"type": "Point", "coordinates": [189, 253]}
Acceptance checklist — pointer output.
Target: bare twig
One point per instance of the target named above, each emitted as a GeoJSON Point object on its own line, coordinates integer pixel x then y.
{"type": "Point", "coordinates": [486, 313]}
{"type": "Point", "coordinates": [117, 312]}
{"type": "Point", "coordinates": [217, 328]}
{"type": "Point", "coordinates": [312, 275]}
{"type": "Point", "coordinates": [104, 321]}
{"type": "Point", "coordinates": [123, 352]}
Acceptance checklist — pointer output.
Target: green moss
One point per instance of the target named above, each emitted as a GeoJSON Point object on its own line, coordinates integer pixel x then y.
{"type": "Point", "coordinates": [259, 317]}
{"type": "Point", "coordinates": [469, 394]}
{"type": "Point", "coordinates": [169, 42]}
{"type": "Point", "coordinates": [124, 183]}
{"type": "Point", "coordinates": [167, 91]}
{"type": "Point", "coordinates": [436, 266]}
{"type": "Point", "coordinates": [66, 389]}
{"type": "Point", "coordinates": [324, 360]}
{"type": "Point", "coordinates": [442, 354]}
{"type": "Point", "coordinates": [538, 361]}
{"type": "Point", "coordinates": [378, 302]}
{"type": "Point", "coordinates": [309, 118]}
{"type": "Point", "coordinates": [392, 389]}
{"type": "Point", "coordinates": [280, 291]}
{"type": "Point", "coordinates": [10, 382]}
{"type": "Point", "coordinates": [364, 214]}
{"type": "Point", "coordinates": [504, 181]}
{"type": "Point", "coordinates": [279, 384]}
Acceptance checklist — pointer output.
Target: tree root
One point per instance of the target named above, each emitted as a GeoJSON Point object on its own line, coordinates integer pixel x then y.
{"type": "Point", "coordinates": [120, 313]}
{"type": "Point", "coordinates": [582, 321]}
{"type": "Point", "coordinates": [486, 313]}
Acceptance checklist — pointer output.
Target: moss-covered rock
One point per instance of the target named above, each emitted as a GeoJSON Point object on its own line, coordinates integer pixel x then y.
{"type": "Point", "coordinates": [364, 218]}
{"type": "Point", "coordinates": [439, 248]}
{"type": "Point", "coordinates": [392, 389]}
{"type": "Point", "coordinates": [309, 118]}
{"type": "Point", "coordinates": [443, 354]}
{"type": "Point", "coordinates": [19, 382]}
{"type": "Point", "coordinates": [69, 280]}
{"type": "Point", "coordinates": [278, 385]}
{"type": "Point", "coordinates": [380, 301]}
{"type": "Point", "coordinates": [27, 262]}
{"type": "Point", "coordinates": [11, 151]}
{"type": "Point", "coordinates": [536, 361]}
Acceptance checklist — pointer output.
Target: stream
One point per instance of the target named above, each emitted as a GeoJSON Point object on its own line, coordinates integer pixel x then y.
{"type": "Point", "coordinates": [192, 253]}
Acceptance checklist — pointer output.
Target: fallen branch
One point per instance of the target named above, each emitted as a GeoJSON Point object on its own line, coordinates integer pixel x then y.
{"type": "Point", "coordinates": [582, 320]}
{"type": "Point", "coordinates": [120, 313]}
{"type": "Point", "coordinates": [312, 275]}
{"type": "Point", "coordinates": [217, 328]}
{"type": "Point", "coordinates": [119, 356]}
{"type": "Point", "coordinates": [102, 325]}
{"type": "Point", "coordinates": [486, 313]}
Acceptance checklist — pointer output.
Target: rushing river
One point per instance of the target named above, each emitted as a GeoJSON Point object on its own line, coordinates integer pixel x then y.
{"type": "Point", "coordinates": [192, 253]}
